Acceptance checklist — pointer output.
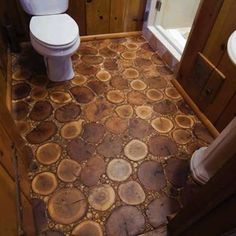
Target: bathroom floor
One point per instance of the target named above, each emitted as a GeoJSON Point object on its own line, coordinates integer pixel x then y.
{"type": "Point", "coordinates": [109, 149]}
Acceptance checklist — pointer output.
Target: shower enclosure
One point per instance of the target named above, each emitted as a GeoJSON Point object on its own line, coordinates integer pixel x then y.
{"type": "Point", "coordinates": [171, 22]}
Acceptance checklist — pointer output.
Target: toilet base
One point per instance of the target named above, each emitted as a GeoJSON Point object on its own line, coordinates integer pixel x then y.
{"type": "Point", "coordinates": [59, 68]}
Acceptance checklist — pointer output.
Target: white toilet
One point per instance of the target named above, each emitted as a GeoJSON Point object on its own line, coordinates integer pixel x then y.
{"type": "Point", "coordinates": [53, 35]}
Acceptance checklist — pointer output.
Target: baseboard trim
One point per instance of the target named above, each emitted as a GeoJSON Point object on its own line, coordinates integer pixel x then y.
{"type": "Point", "coordinates": [110, 36]}
{"type": "Point", "coordinates": [214, 132]}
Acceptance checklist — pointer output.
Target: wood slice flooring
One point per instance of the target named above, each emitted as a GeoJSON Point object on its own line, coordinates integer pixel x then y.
{"type": "Point", "coordinates": [110, 148]}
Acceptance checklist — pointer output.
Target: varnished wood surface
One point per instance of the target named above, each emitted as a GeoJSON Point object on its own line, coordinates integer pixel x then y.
{"type": "Point", "coordinates": [208, 209]}
{"type": "Point", "coordinates": [8, 220]}
{"type": "Point", "coordinates": [110, 36]}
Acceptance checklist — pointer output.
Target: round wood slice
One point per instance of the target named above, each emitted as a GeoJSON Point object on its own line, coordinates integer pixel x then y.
{"type": "Point", "coordinates": [116, 125]}
{"type": "Point", "coordinates": [119, 170]}
{"type": "Point", "coordinates": [82, 94]}
{"type": "Point", "coordinates": [85, 150]}
{"type": "Point", "coordinates": [142, 62]}
{"type": "Point", "coordinates": [85, 50]}
{"type": "Point", "coordinates": [86, 69]}
{"type": "Point", "coordinates": [60, 97]}
{"type": "Point", "coordinates": [151, 175]}
{"type": "Point", "coordinates": [92, 59]}
{"type": "Point", "coordinates": [43, 132]}
{"type": "Point", "coordinates": [98, 87]}
{"type": "Point", "coordinates": [48, 153]}
{"type": "Point", "coordinates": [79, 80]}
{"type": "Point", "coordinates": [125, 220]}
{"type": "Point", "coordinates": [128, 55]}
{"type": "Point", "coordinates": [110, 146]}
{"type": "Point", "coordinates": [20, 110]}
{"type": "Point", "coordinates": [119, 83]}
{"type": "Point", "coordinates": [144, 112]}
{"type": "Point", "coordinates": [152, 72]}
{"type": "Point", "coordinates": [115, 96]}
{"type": "Point", "coordinates": [110, 64]}
{"type": "Point", "coordinates": [182, 136]}
{"type": "Point", "coordinates": [156, 83]}
{"type": "Point", "coordinates": [192, 147]}
{"type": "Point", "coordinates": [38, 93]}
{"type": "Point", "coordinates": [154, 95]}
{"type": "Point", "coordinates": [124, 111]}
{"type": "Point", "coordinates": [44, 183]}
{"type": "Point", "coordinates": [67, 206]}
{"type": "Point", "coordinates": [159, 209]}
{"type": "Point", "coordinates": [130, 73]}
{"type": "Point", "coordinates": [136, 98]}
{"type": "Point", "coordinates": [184, 121]}
{"type": "Point", "coordinates": [92, 171]}
{"type": "Point", "coordinates": [103, 75]}
{"type": "Point", "coordinates": [184, 107]}
{"type": "Point", "coordinates": [107, 52]}
{"type": "Point", "coordinates": [41, 111]}
{"type": "Point", "coordinates": [138, 85]}
{"type": "Point", "coordinates": [68, 170]}
{"type": "Point", "coordinates": [162, 146]}
{"type": "Point", "coordinates": [131, 193]}
{"type": "Point", "coordinates": [93, 132]}
{"type": "Point", "coordinates": [136, 150]}
{"type": "Point", "coordinates": [162, 125]}
{"type": "Point", "coordinates": [87, 228]}
{"type": "Point", "coordinates": [202, 133]}
{"type": "Point", "coordinates": [172, 93]}
{"type": "Point", "coordinates": [139, 128]}
{"type": "Point", "coordinates": [101, 197]}
{"type": "Point", "coordinates": [72, 129]}
{"type": "Point", "coordinates": [98, 110]}
{"type": "Point", "coordinates": [67, 113]}
{"type": "Point", "coordinates": [131, 46]}
{"type": "Point", "coordinates": [177, 171]}
{"type": "Point", "coordinates": [165, 107]}
{"type": "Point", "coordinates": [21, 90]}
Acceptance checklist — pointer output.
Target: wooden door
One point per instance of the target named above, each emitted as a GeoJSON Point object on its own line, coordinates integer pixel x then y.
{"type": "Point", "coordinates": [206, 72]}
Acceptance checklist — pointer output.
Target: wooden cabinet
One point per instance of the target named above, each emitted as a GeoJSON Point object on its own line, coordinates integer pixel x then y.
{"type": "Point", "coordinates": [210, 78]}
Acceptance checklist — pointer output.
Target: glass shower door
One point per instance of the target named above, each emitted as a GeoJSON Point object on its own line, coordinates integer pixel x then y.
{"type": "Point", "coordinates": [174, 19]}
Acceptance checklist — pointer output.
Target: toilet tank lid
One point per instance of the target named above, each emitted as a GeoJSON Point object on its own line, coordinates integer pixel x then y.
{"type": "Point", "coordinates": [56, 30]}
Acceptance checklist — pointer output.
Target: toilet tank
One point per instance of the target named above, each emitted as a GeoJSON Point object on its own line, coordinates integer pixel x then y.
{"type": "Point", "coordinates": [44, 7]}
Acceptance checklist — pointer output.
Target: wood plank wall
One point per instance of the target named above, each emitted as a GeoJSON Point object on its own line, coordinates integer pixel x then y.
{"type": "Point", "coordinates": [92, 16]}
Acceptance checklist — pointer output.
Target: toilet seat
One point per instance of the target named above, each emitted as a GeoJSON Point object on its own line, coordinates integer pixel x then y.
{"type": "Point", "coordinates": [54, 31]}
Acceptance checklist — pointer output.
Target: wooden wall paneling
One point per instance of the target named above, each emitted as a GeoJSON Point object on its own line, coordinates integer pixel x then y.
{"type": "Point", "coordinates": [77, 10]}
{"type": "Point", "coordinates": [117, 15]}
{"type": "Point", "coordinates": [226, 91]}
{"type": "Point", "coordinates": [227, 115]}
{"type": "Point", "coordinates": [223, 27]}
{"type": "Point", "coordinates": [6, 154]}
{"type": "Point", "coordinates": [211, 89]}
{"type": "Point", "coordinates": [201, 72]}
{"type": "Point", "coordinates": [134, 16]}
{"type": "Point", "coordinates": [97, 16]}
{"type": "Point", "coordinates": [201, 29]}
{"type": "Point", "coordinates": [8, 220]}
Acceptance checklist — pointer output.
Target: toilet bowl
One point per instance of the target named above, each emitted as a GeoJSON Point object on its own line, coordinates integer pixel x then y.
{"type": "Point", "coordinates": [53, 35]}
{"type": "Point", "coordinates": [56, 38]}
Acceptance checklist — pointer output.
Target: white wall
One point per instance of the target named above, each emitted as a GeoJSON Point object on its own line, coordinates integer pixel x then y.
{"type": "Point", "coordinates": [177, 13]}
